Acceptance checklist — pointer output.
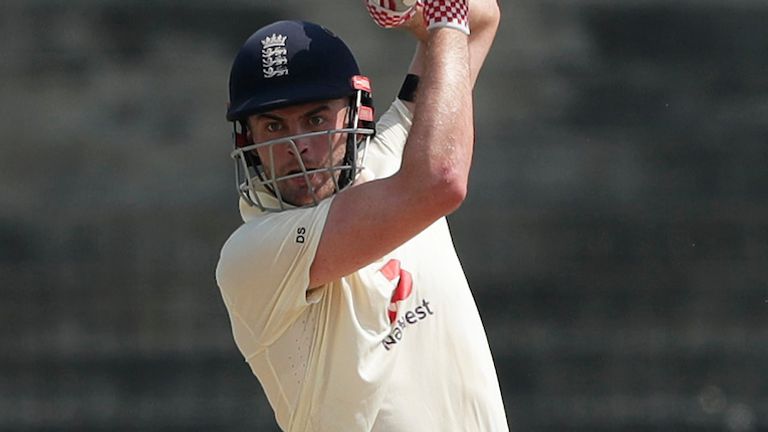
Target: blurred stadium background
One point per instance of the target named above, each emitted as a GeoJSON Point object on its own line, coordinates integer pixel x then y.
{"type": "Point", "coordinates": [616, 232]}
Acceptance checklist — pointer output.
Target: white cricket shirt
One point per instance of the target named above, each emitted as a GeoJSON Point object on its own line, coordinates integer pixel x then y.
{"type": "Point", "coordinates": [396, 346]}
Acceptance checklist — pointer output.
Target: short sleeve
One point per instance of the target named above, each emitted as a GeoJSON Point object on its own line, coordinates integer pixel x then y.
{"type": "Point", "coordinates": [263, 270]}
{"type": "Point", "coordinates": [386, 150]}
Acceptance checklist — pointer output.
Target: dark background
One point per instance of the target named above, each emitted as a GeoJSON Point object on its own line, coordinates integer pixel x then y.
{"type": "Point", "coordinates": [615, 235]}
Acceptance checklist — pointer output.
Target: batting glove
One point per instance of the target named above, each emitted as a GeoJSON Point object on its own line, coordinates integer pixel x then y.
{"type": "Point", "coordinates": [447, 13]}
{"type": "Point", "coordinates": [391, 13]}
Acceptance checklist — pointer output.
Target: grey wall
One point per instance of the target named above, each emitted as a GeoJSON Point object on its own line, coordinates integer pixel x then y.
{"type": "Point", "coordinates": [616, 232]}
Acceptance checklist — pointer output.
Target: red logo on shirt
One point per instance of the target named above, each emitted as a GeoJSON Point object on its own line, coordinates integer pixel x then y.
{"type": "Point", "coordinates": [407, 317]}
{"type": "Point", "coordinates": [392, 272]}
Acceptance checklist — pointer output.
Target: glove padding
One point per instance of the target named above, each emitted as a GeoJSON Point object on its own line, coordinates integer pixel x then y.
{"type": "Point", "coordinates": [447, 13]}
{"type": "Point", "coordinates": [391, 13]}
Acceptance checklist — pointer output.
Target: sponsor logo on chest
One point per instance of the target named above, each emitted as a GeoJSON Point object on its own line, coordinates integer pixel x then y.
{"type": "Point", "coordinates": [398, 317]}
{"type": "Point", "coordinates": [409, 318]}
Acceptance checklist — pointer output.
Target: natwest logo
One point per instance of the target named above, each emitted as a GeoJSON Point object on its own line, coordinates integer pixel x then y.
{"type": "Point", "coordinates": [403, 289]}
{"type": "Point", "coordinates": [409, 318]}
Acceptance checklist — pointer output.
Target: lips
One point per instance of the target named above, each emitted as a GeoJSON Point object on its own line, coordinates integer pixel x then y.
{"type": "Point", "coordinates": [299, 178]}
{"type": "Point", "coordinates": [295, 168]}
{"type": "Point", "coordinates": [297, 171]}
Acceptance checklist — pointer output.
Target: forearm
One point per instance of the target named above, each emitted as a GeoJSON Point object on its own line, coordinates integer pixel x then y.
{"type": "Point", "coordinates": [437, 156]}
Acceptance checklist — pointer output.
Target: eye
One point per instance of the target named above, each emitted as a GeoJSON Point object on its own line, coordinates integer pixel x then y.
{"type": "Point", "coordinates": [273, 127]}
{"type": "Point", "coordinates": [316, 121]}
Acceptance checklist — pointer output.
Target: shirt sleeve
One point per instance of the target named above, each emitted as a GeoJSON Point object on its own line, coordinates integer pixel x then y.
{"type": "Point", "coordinates": [263, 270]}
{"type": "Point", "coordinates": [386, 149]}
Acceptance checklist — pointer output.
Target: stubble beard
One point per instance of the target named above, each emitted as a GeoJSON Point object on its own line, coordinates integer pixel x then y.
{"type": "Point", "coordinates": [299, 193]}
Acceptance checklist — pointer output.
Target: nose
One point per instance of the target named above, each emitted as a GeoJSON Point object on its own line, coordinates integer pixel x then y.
{"type": "Point", "coordinates": [302, 146]}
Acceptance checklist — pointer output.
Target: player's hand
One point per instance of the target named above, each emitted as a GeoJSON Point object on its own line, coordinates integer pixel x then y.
{"type": "Point", "coordinates": [391, 13]}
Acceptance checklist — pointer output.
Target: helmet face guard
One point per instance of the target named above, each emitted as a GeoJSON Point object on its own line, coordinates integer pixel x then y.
{"type": "Point", "coordinates": [289, 63]}
{"type": "Point", "coordinates": [253, 180]}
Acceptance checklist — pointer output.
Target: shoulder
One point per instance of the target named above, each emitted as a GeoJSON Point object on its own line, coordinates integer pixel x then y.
{"type": "Point", "coordinates": [272, 242]}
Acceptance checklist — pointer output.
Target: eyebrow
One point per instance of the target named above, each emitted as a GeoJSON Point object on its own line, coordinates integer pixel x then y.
{"type": "Point", "coordinates": [309, 113]}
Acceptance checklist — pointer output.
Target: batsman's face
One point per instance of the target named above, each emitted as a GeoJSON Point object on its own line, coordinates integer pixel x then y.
{"type": "Point", "coordinates": [316, 152]}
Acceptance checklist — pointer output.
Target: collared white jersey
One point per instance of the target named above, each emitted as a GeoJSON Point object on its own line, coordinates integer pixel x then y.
{"type": "Point", "coordinates": [396, 346]}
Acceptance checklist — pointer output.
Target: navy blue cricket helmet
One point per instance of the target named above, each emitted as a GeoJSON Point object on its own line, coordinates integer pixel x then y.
{"type": "Point", "coordinates": [288, 63]}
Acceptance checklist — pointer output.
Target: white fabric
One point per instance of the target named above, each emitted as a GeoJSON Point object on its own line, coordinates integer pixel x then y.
{"type": "Point", "coordinates": [330, 360]}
